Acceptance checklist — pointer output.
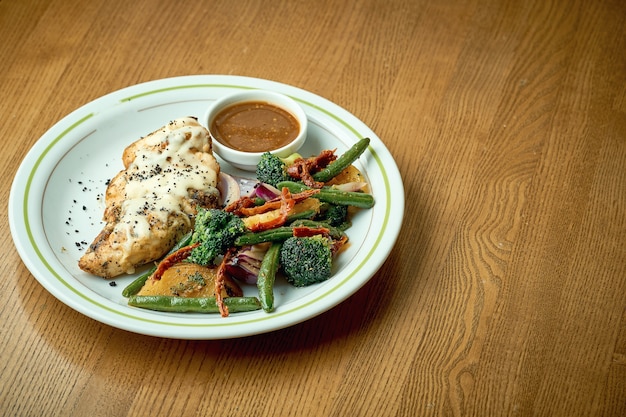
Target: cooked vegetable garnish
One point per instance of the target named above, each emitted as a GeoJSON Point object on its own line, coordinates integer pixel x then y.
{"type": "Point", "coordinates": [289, 227]}
{"type": "Point", "coordinates": [215, 231]}
{"type": "Point", "coordinates": [272, 235]}
{"type": "Point", "coordinates": [332, 231]}
{"type": "Point", "coordinates": [194, 305]}
{"type": "Point", "coordinates": [135, 286]}
{"type": "Point", "coordinates": [245, 264]}
{"type": "Point", "coordinates": [333, 196]}
{"type": "Point", "coordinates": [306, 260]}
{"type": "Point", "coordinates": [341, 163]}
{"type": "Point", "coordinates": [267, 275]}
{"type": "Point", "coordinates": [283, 233]}
{"type": "Point", "coordinates": [272, 169]}
{"type": "Point", "coordinates": [335, 215]}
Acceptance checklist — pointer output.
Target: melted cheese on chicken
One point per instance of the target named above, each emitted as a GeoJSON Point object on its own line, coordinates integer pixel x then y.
{"type": "Point", "coordinates": [151, 204]}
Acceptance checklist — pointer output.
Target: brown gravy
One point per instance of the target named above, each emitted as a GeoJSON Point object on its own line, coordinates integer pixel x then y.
{"type": "Point", "coordinates": [254, 126]}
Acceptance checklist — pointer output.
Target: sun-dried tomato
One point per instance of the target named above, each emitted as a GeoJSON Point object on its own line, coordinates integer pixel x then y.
{"type": "Point", "coordinates": [304, 231]}
{"type": "Point", "coordinates": [171, 259]}
{"type": "Point", "coordinates": [303, 169]}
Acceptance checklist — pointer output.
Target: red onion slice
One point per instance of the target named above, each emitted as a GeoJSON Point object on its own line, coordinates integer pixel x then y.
{"type": "Point", "coordinates": [229, 189]}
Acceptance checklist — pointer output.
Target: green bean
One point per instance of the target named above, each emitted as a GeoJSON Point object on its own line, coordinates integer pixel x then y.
{"type": "Point", "coordinates": [193, 305]}
{"type": "Point", "coordinates": [334, 232]}
{"type": "Point", "coordinates": [344, 161]}
{"type": "Point", "coordinates": [184, 241]}
{"type": "Point", "coordinates": [281, 233]}
{"type": "Point", "coordinates": [332, 195]}
{"type": "Point", "coordinates": [304, 214]}
{"type": "Point", "coordinates": [134, 287]}
{"type": "Point", "coordinates": [271, 235]}
{"type": "Point", "coordinates": [267, 275]}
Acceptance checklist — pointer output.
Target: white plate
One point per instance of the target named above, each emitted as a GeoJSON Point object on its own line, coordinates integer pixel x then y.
{"type": "Point", "coordinates": [56, 203]}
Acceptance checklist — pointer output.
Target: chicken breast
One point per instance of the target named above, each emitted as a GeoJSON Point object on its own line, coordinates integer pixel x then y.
{"type": "Point", "coordinates": [151, 204]}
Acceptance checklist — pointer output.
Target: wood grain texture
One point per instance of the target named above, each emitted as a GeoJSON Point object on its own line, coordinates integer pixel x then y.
{"type": "Point", "coordinates": [505, 294]}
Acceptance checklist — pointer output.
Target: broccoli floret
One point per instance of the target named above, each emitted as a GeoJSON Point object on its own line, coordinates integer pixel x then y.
{"type": "Point", "coordinates": [336, 216]}
{"type": "Point", "coordinates": [306, 260]}
{"type": "Point", "coordinates": [272, 169]}
{"type": "Point", "coordinates": [216, 231]}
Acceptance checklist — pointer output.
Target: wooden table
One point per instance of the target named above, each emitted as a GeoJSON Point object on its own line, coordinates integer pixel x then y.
{"type": "Point", "coordinates": [505, 294]}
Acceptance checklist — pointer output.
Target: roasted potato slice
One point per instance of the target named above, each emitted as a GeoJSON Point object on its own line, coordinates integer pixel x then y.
{"type": "Point", "coordinates": [186, 279]}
